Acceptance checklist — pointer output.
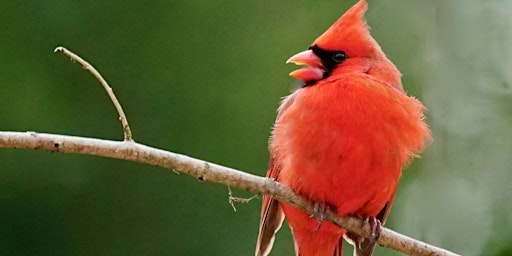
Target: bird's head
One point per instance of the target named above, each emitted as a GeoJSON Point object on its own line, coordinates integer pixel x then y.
{"type": "Point", "coordinates": [346, 46]}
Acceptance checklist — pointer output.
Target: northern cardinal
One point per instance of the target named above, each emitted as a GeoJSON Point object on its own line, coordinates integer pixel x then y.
{"type": "Point", "coordinates": [342, 139]}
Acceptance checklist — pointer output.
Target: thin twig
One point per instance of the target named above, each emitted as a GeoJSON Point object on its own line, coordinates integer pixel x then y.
{"type": "Point", "coordinates": [233, 199]}
{"type": "Point", "coordinates": [122, 117]}
{"type": "Point", "coordinates": [205, 171]}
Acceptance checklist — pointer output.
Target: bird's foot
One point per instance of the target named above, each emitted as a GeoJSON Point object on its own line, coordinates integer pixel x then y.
{"type": "Point", "coordinates": [375, 227]}
{"type": "Point", "coordinates": [318, 214]}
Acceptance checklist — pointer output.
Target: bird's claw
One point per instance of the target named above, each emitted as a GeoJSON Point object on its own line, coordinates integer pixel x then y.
{"type": "Point", "coordinates": [318, 214]}
{"type": "Point", "coordinates": [375, 227]}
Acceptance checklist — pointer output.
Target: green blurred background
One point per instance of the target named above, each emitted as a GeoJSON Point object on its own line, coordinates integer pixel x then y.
{"type": "Point", "coordinates": [204, 78]}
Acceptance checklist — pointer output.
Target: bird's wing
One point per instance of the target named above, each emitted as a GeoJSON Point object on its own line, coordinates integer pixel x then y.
{"type": "Point", "coordinates": [272, 218]}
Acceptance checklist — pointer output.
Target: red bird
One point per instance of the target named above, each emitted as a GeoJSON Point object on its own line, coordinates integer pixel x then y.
{"type": "Point", "coordinates": [342, 139]}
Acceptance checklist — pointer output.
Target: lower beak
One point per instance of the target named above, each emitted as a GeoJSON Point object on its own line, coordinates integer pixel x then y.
{"type": "Point", "coordinates": [313, 72]}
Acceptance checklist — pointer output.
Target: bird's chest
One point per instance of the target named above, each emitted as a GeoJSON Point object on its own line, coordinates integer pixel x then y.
{"type": "Point", "coordinates": [332, 145]}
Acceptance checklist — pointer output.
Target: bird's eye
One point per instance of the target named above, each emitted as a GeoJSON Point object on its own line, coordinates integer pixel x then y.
{"type": "Point", "coordinates": [339, 57]}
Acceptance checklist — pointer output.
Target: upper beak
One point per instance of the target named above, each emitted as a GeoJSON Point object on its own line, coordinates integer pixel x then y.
{"type": "Point", "coordinates": [313, 72]}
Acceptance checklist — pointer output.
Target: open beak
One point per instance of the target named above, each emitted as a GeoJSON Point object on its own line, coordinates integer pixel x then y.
{"type": "Point", "coordinates": [315, 70]}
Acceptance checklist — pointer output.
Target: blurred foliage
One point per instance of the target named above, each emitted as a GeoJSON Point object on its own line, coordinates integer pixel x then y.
{"type": "Point", "coordinates": [204, 78]}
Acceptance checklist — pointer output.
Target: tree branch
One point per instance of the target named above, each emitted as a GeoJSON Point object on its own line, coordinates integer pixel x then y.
{"type": "Point", "coordinates": [206, 171]}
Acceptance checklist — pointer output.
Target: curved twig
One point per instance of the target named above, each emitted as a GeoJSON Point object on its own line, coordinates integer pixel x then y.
{"type": "Point", "coordinates": [122, 117]}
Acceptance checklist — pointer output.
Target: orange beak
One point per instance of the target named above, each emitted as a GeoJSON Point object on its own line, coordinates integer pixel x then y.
{"type": "Point", "coordinates": [315, 70]}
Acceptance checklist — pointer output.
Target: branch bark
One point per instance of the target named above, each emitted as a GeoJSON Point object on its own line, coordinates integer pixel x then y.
{"type": "Point", "coordinates": [206, 171]}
